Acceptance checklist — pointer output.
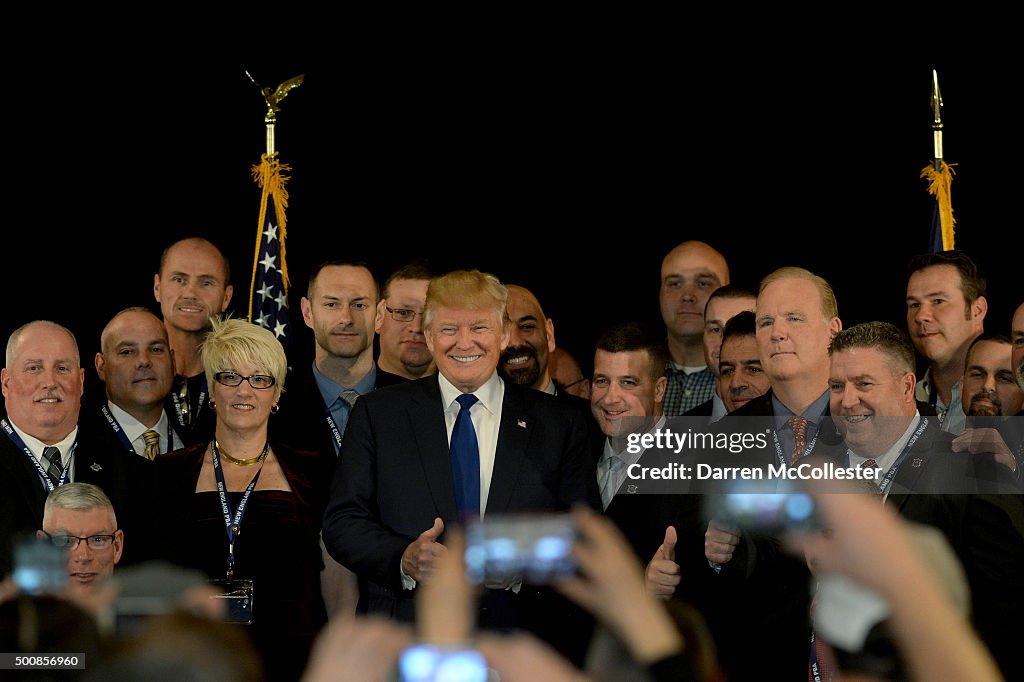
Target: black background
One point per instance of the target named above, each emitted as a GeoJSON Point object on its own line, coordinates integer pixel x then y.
{"type": "Point", "coordinates": [570, 167]}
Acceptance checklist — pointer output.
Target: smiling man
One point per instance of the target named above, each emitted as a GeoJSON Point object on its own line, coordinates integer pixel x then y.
{"type": "Point", "coordinates": [80, 519]}
{"type": "Point", "coordinates": [872, 398]}
{"type": "Point", "coordinates": [462, 444]}
{"type": "Point", "coordinates": [532, 338]}
{"type": "Point", "coordinates": [41, 445]}
{"type": "Point", "coordinates": [192, 285]}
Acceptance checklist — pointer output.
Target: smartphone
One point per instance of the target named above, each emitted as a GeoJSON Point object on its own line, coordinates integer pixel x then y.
{"type": "Point", "coordinates": [536, 548]}
{"type": "Point", "coordinates": [40, 567]}
{"type": "Point", "coordinates": [426, 663]}
{"type": "Point", "coordinates": [764, 510]}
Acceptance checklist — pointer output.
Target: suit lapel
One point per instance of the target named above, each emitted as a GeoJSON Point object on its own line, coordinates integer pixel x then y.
{"type": "Point", "coordinates": [911, 469]}
{"type": "Point", "coordinates": [427, 416]}
{"type": "Point", "coordinates": [15, 467]}
{"type": "Point", "coordinates": [513, 436]}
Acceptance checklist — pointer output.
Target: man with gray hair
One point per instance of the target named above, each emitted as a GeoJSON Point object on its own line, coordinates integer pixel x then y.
{"type": "Point", "coordinates": [79, 518]}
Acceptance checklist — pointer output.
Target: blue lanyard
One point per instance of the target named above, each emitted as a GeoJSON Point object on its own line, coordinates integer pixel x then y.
{"type": "Point", "coordinates": [233, 522]}
{"type": "Point", "coordinates": [335, 431]}
{"type": "Point", "coordinates": [199, 405]}
{"type": "Point", "coordinates": [43, 476]}
{"type": "Point", "coordinates": [119, 430]}
{"type": "Point", "coordinates": [883, 486]}
{"type": "Point", "coordinates": [815, 667]}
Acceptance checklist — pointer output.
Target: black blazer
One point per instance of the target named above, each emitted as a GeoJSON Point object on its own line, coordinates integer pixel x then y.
{"type": "Point", "coordinates": [301, 421]}
{"type": "Point", "coordinates": [126, 479]}
{"type": "Point", "coordinates": [982, 517]}
{"type": "Point", "coordinates": [394, 477]}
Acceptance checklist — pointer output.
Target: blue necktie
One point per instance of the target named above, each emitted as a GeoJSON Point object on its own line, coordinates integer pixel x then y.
{"type": "Point", "coordinates": [465, 456]}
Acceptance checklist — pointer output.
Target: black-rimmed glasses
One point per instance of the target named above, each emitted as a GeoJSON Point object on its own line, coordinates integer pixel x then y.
{"type": "Point", "coordinates": [72, 541]}
{"type": "Point", "coordinates": [402, 314]}
{"type": "Point", "coordinates": [258, 381]}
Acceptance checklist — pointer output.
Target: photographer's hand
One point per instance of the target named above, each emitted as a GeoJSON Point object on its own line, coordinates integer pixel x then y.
{"type": "Point", "coordinates": [419, 558]}
{"type": "Point", "coordinates": [720, 541]}
{"type": "Point", "coordinates": [612, 587]}
{"type": "Point", "coordinates": [446, 604]}
{"type": "Point", "coordinates": [662, 575]}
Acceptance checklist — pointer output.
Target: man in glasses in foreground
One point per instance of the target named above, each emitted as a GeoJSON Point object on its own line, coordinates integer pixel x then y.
{"type": "Point", "coordinates": [79, 518]}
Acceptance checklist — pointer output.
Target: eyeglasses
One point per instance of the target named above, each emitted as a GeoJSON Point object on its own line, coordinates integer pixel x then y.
{"type": "Point", "coordinates": [258, 381]}
{"type": "Point", "coordinates": [72, 541]}
{"type": "Point", "coordinates": [402, 314]}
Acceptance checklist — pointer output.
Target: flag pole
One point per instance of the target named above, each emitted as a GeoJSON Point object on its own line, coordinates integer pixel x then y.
{"type": "Point", "coordinates": [268, 303]}
{"type": "Point", "coordinates": [939, 175]}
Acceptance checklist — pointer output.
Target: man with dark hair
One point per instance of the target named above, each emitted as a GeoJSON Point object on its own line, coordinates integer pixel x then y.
{"type": "Point", "coordinates": [946, 309]}
{"type": "Point", "coordinates": [872, 400]}
{"type": "Point", "coordinates": [723, 304]}
{"type": "Point", "coordinates": [992, 396]}
{"type": "Point", "coordinates": [339, 306]}
{"type": "Point", "coordinates": [741, 377]}
{"type": "Point", "coordinates": [404, 355]}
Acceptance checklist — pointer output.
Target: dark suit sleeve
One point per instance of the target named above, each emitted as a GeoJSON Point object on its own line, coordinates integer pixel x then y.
{"type": "Point", "coordinates": [353, 531]}
{"type": "Point", "coordinates": [994, 540]}
{"type": "Point", "coordinates": [579, 471]}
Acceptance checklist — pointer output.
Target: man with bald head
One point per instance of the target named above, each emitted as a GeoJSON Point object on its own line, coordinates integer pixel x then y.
{"type": "Point", "coordinates": [192, 285]}
{"type": "Point", "coordinates": [689, 273]}
{"type": "Point", "coordinates": [41, 447]}
{"type": "Point", "coordinates": [136, 366]}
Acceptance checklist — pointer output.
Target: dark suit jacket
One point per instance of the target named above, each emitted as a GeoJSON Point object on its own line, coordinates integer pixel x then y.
{"type": "Point", "coordinates": [981, 513]}
{"type": "Point", "coordinates": [301, 422]}
{"type": "Point", "coordinates": [127, 481]}
{"type": "Point", "coordinates": [394, 477]}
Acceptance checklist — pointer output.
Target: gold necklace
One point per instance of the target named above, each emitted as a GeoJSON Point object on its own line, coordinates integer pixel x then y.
{"type": "Point", "coordinates": [241, 462]}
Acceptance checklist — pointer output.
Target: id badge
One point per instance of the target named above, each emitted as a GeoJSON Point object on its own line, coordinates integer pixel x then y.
{"type": "Point", "coordinates": [237, 596]}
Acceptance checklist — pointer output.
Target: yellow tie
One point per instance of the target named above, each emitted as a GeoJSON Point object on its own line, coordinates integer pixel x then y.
{"type": "Point", "coordinates": [152, 443]}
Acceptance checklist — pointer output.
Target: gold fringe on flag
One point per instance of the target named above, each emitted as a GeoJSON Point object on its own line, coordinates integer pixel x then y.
{"type": "Point", "coordinates": [939, 183]}
{"type": "Point", "coordinates": [269, 174]}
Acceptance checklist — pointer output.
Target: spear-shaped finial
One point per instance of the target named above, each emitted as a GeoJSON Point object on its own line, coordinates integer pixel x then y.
{"type": "Point", "coordinates": [936, 121]}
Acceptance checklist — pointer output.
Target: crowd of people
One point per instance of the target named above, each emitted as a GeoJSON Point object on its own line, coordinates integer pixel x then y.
{"type": "Point", "coordinates": [313, 518]}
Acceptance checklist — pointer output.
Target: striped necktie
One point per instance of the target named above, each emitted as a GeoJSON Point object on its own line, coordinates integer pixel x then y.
{"type": "Point", "coordinates": [152, 443]}
{"type": "Point", "coordinates": [52, 463]}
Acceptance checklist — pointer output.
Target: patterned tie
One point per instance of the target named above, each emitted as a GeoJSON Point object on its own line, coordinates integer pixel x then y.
{"type": "Point", "coordinates": [350, 397]}
{"type": "Point", "coordinates": [613, 464]}
{"type": "Point", "coordinates": [52, 463]}
{"type": "Point", "coordinates": [799, 426]}
{"type": "Point", "coordinates": [871, 464]}
{"type": "Point", "coordinates": [152, 444]}
{"type": "Point", "coordinates": [465, 457]}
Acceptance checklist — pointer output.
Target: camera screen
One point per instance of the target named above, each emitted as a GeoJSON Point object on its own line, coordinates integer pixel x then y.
{"type": "Point", "coordinates": [424, 663]}
{"type": "Point", "coordinates": [535, 548]}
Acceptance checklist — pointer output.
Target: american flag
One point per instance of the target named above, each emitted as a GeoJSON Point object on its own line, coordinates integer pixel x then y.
{"type": "Point", "coordinates": [268, 296]}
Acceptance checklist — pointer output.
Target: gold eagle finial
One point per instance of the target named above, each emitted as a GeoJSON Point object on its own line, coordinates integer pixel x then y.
{"type": "Point", "coordinates": [273, 97]}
